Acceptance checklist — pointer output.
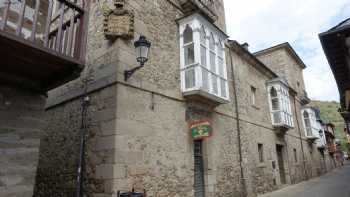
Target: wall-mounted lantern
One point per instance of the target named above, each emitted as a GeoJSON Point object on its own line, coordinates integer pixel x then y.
{"type": "Point", "coordinates": [142, 46]}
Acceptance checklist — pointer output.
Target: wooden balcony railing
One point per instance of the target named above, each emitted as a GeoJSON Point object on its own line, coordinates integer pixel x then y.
{"type": "Point", "coordinates": [42, 42]}
{"type": "Point", "coordinates": [56, 25]}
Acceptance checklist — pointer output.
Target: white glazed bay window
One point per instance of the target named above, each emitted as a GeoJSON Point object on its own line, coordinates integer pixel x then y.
{"type": "Point", "coordinates": [203, 65]}
{"type": "Point", "coordinates": [307, 123]}
{"type": "Point", "coordinates": [311, 126]}
{"type": "Point", "coordinates": [280, 107]}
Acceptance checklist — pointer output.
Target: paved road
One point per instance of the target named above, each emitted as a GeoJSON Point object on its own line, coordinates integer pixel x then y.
{"type": "Point", "coordinates": [333, 184]}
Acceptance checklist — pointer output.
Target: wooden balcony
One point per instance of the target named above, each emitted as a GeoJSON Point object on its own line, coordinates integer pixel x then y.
{"type": "Point", "coordinates": [42, 42]}
{"type": "Point", "coordinates": [206, 7]}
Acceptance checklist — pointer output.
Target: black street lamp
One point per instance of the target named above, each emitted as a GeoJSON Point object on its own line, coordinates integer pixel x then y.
{"type": "Point", "coordinates": [142, 46]}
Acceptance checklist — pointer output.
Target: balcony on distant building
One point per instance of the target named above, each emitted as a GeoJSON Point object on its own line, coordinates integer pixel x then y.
{"type": "Point", "coordinates": [42, 43]}
{"type": "Point", "coordinates": [205, 7]}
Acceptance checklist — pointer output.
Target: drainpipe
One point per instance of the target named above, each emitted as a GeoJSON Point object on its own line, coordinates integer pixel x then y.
{"type": "Point", "coordinates": [235, 105]}
{"type": "Point", "coordinates": [301, 140]}
{"type": "Point", "coordinates": [83, 132]}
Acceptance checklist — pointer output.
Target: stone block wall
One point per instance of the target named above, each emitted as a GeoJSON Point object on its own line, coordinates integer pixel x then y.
{"type": "Point", "coordinates": [21, 126]}
{"type": "Point", "coordinates": [282, 62]}
{"type": "Point", "coordinates": [138, 130]}
{"type": "Point", "coordinates": [59, 151]}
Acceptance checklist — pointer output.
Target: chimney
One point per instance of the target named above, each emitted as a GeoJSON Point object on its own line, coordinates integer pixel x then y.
{"type": "Point", "coordinates": [245, 46]}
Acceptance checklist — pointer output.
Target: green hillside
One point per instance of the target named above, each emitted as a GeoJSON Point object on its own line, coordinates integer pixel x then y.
{"type": "Point", "coordinates": [329, 113]}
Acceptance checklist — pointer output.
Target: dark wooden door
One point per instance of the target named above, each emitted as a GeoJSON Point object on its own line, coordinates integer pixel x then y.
{"type": "Point", "coordinates": [280, 161]}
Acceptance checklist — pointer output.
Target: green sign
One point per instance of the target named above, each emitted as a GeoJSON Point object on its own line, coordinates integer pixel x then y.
{"type": "Point", "coordinates": [201, 130]}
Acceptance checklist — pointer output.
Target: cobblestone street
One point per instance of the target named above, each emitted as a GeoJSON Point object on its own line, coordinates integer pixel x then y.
{"type": "Point", "coordinates": [333, 184]}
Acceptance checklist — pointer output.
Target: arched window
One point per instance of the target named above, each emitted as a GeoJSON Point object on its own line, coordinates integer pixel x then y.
{"type": "Point", "coordinates": [274, 99]}
{"type": "Point", "coordinates": [205, 72]}
{"type": "Point", "coordinates": [307, 123]}
{"type": "Point", "coordinates": [212, 42]}
{"type": "Point", "coordinates": [220, 59]}
{"type": "Point", "coordinates": [275, 106]}
{"type": "Point", "coordinates": [213, 69]}
{"type": "Point", "coordinates": [212, 53]}
{"type": "Point", "coordinates": [188, 45]}
{"type": "Point", "coordinates": [203, 36]}
{"type": "Point", "coordinates": [188, 35]}
{"type": "Point", "coordinates": [221, 68]}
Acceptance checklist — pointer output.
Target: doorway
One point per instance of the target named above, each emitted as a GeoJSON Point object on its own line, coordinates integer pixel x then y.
{"type": "Point", "coordinates": [280, 161]}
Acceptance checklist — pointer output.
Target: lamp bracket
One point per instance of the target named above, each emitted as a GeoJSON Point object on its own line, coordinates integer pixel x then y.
{"type": "Point", "coordinates": [129, 73]}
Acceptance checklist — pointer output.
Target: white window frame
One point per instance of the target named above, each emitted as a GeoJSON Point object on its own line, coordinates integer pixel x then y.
{"type": "Point", "coordinates": [284, 110]}
{"type": "Point", "coordinates": [308, 129]}
{"type": "Point", "coordinates": [198, 23]}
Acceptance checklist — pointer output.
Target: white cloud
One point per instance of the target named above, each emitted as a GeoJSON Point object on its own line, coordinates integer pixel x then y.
{"type": "Point", "coordinates": [265, 23]}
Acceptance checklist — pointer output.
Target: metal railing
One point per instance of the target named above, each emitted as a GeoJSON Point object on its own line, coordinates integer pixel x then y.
{"type": "Point", "coordinates": [58, 25]}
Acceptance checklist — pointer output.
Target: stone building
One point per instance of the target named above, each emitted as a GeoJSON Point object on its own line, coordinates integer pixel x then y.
{"type": "Point", "coordinates": [203, 116]}
{"type": "Point", "coordinates": [275, 154]}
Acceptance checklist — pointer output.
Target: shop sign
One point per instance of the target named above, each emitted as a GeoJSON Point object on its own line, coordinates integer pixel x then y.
{"type": "Point", "coordinates": [201, 129]}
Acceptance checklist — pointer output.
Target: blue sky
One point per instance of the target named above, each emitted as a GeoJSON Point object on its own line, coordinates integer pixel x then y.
{"type": "Point", "coordinates": [264, 23]}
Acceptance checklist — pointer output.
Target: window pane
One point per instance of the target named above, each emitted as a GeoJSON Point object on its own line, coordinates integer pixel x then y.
{"type": "Point", "coordinates": [212, 42]}
{"type": "Point", "coordinates": [203, 56]}
{"type": "Point", "coordinates": [221, 66]}
{"type": "Point", "coordinates": [188, 35]}
{"type": "Point", "coordinates": [275, 104]}
{"type": "Point", "coordinates": [212, 62]}
{"type": "Point", "coordinates": [273, 92]}
{"type": "Point", "coordinates": [308, 131]}
{"type": "Point", "coordinates": [276, 117]}
{"type": "Point", "coordinates": [190, 79]}
{"type": "Point", "coordinates": [223, 88]}
{"type": "Point", "coordinates": [214, 83]}
{"type": "Point", "coordinates": [205, 79]}
{"type": "Point", "coordinates": [189, 54]}
{"type": "Point", "coordinates": [220, 52]}
{"type": "Point", "coordinates": [307, 122]}
{"type": "Point", "coordinates": [203, 36]}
